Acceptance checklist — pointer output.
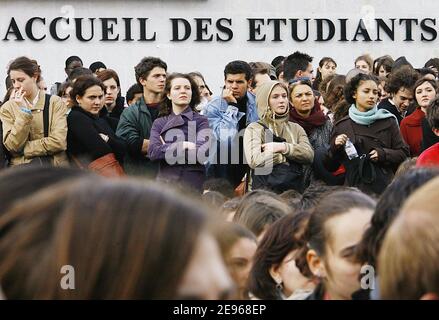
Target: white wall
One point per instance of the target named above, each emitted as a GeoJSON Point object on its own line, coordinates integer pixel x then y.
{"type": "Point", "coordinates": [210, 57]}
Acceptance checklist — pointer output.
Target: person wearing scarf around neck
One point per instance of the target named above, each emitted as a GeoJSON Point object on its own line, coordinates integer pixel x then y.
{"type": "Point", "coordinates": [307, 113]}
{"type": "Point", "coordinates": [273, 109]}
{"type": "Point", "coordinates": [374, 132]}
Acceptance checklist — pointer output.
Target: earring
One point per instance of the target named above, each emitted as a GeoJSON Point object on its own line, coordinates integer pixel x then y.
{"type": "Point", "coordinates": [279, 286]}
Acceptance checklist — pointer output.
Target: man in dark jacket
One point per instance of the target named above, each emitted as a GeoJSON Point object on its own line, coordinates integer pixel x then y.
{"type": "Point", "coordinates": [400, 87]}
{"type": "Point", "coordinates": [136, 121]}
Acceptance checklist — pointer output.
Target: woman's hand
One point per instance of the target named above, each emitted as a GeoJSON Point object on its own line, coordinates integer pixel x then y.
{"type": "Point", "coordinates": [104, 137]}
{"type": "Point", "coordinates": [18, 97]}
{"type": "Point", "coordinates": [274, 147]}
{"type": "Point", "coordinates": [373, 155]}
{"type": "Point", "coordinates": [340, 140]}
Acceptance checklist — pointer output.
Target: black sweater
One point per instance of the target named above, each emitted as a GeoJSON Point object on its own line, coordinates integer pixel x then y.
{"type": "Point", "coordinates": [84, 141]}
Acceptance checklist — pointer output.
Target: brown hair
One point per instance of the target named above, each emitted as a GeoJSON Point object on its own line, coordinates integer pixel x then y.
{"type": "Point", "coordinates": [284, 236]}
{"type": "Point", "coordinates": [316, 235]}
{"type": "Point", "coordinates": [334, 94]}
{"type": "Point", "coordinates": [409, 257]}
{"type": "Point", "coordinates": [124, 239]}
{"type": "Point", "coordinates": [166, 105]}
{"type": "Point", "coordinates": [82, 84]}
{"type": "Point", "coordinates": [261, 212]}
{"type": "Point", "coordinates": [228, 233]}
{"type": "Point", "coordinates": [366, 58]}
{"type": "Point", "coordinates": [28, 66]}
{"type": "Point", "coordinates": [420, 82]}
{"type": "Point", "coordinates": [106, 74]}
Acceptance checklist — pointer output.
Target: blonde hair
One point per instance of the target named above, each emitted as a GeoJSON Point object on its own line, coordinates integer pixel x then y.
{"type": "Point", "coordinates": [409, 258]}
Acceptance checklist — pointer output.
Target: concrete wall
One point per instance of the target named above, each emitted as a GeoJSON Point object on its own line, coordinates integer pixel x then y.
{"type": "Point", "coordinates": [210, 57]}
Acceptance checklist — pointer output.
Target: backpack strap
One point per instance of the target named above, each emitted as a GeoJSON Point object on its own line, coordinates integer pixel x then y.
{"type": "Point", "coordinates": [46, 112]}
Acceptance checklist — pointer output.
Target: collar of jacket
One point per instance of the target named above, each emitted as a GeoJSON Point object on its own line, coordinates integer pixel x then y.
{"type": "Point", "coordinates": [415, 118]}
{"type": "Point", "coordinates": [40, 103]}
{"type": "Point", "coordinates": [176, 120]}
{"type": "Point", "coordinates": [141, 104]}
{"type": "Point", "coordinates": [79, 109]}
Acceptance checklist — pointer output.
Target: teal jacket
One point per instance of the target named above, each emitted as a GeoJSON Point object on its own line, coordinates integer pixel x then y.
{"type": "Point", "coordinates": [134, 126]}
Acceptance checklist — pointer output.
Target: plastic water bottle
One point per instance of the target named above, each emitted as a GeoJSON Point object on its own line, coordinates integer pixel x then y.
{"type": "Point", "coordinates": [350, 150]}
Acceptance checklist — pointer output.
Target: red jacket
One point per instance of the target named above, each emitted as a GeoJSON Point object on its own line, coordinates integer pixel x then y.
{"type": "Point", "coordinates": [411, 131]}
{"type": "Point", "coordinates": [429, 157]}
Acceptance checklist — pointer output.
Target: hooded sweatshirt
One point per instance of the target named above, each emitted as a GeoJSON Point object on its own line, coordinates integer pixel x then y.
{"type": "Point", "coordinates": [297, 144]}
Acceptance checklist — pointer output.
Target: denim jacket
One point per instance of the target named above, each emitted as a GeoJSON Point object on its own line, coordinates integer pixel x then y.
{"type": "Point", "coordinates": [223, 118]}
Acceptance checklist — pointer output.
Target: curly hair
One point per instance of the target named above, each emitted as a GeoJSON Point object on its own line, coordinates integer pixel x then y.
{"type": "Point", "coordinates": [352, 86]}
{"type": "Point", "coordinates": [404, 77]}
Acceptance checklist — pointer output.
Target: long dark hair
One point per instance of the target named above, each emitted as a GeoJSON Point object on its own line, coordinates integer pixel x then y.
{"type": "Point", "coordinates": [281, 238]}
{"type": "Point", "coordinates": [319, 78]}
{"type": "Point", "coordinates": [166, 105]}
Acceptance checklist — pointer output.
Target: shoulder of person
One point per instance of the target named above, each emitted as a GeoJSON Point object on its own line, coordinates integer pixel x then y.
{"type": "Point", "coordinates": [342, 121]}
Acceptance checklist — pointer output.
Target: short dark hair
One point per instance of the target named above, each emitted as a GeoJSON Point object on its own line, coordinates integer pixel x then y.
{"type": "Point", "coordinates": [433, 113]}
{"type": "Point", "coordinates": [238, 67]}
{"type": "Point", "coordinates": [433, 62]}
{"type": "Point", "coordinates": [353, 85]}
{"type": "Point", "coordinates": [133, 90]}
{"type": "Point", "coordinates": [70, 59]}
{"type": "Point", "coordinates": [426, 71]}
{"type": "Point", "coordinates": [277, 61]}
{"type": "Point", "coordinates": [144, 67]}
{"type": "Point", "coordinates": [28, 66]}
{"type": "Point", "coordinates": [108, 74]}
{"type": "Point", "coordinates": [166, 105]}
{"type": "Point", "coordinates": [82, 84]}
{"type": "Point", "coordinates": [404, 77]}
{"type": "Point", "coordinates": [295, 62]}
{"type": "Point", "coordinates": [80, 71]}
{"type": "Point", "coordinates": [97, 65]}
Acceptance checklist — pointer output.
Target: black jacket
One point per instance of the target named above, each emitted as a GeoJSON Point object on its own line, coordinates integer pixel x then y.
{"type": "Point", "coordinates": [116, 112]}
{"type": "Point", "coordinates": [428, 136]}
{"type": "Point", "coordinates": [382, 135]}
{"type": "Point", "coordinates": [386, 104]}
{"type": "Point", "coordinates": [84, 141]}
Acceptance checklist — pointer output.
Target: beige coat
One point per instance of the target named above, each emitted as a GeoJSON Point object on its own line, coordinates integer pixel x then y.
{"type": "Point", "coordinates": [23, 134]}
{"type": "Point", "coordinates": [298, 147]}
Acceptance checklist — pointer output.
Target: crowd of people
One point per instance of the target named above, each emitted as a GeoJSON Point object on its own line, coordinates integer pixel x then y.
{"type": "Point", "coordinates": [285, 186]}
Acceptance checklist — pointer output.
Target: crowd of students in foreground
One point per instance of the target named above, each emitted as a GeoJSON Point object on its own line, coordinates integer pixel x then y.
{"type": "Point", "coordinates": [272, 190]}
